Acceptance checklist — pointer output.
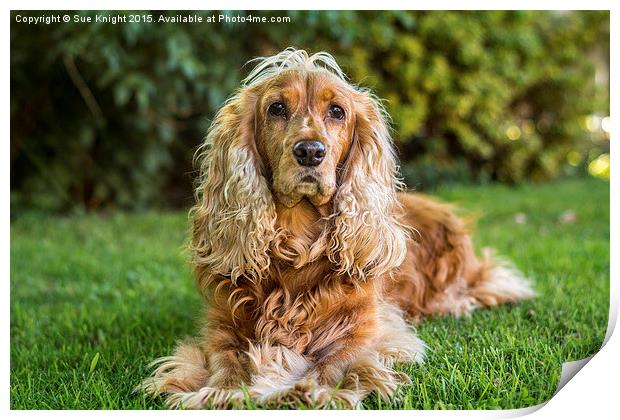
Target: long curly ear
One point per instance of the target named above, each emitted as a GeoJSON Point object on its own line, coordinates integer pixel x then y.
{"type": "Point", "coordinates": [234, 218]}
{"type": "Point", "coordinates": [368, 240]}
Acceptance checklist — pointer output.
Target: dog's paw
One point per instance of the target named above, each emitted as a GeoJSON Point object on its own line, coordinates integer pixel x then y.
{"type": "Point", "coordinates": [207, 397]}
{"type": "Point", "coordinates": [309, 393]}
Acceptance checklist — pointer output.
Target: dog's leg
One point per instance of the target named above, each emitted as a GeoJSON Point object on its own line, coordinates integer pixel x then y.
{"type": "Point", "coordinates": [188, 380]}
{"type": "Point", "coordinates": [369, 368]}
{"type": "Point", "coordinates": [225, 350]}
{"type": "Point", "coordinates": [184, 371]}
{"type": "Point", "coordinates": [349, 364]}
{"type": "Point", "coordinates": [396, 342]}
{"type": "Point", "coordinates": [205, 373]}
{"type": "Point", "coordinates": [442, 274]}
{"type": "Point", "coordinates": [227, 360]}
{"type": "Point", "coordinates": [219, 386]}
{"type": "Point", "coordinates": [497, 281]}
{"type": "Point", "coordinates": [482, 283]}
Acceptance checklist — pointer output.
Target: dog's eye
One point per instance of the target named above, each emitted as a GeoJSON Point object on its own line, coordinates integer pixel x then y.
{"type": "Point", "coordinates": [277, 109]}
{"type": "Point", "coordinates": [336, 112]}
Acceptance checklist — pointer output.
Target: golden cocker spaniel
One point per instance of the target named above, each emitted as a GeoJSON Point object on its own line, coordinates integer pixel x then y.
{"type": "Point", "coordinates": [309, 258]}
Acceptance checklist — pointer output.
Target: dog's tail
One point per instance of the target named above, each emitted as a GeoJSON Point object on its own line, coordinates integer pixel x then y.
{"type": "Point", "coordinates": [497, 281]}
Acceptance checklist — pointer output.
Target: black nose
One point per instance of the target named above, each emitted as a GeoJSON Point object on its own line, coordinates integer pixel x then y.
{"type": "Point", "coordinates": [309, 152]}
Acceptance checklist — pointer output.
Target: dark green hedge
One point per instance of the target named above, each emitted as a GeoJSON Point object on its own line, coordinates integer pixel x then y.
{"type": "Point", "coordinates": [109, 115]}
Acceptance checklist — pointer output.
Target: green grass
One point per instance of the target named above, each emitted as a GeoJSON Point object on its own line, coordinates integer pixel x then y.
{"type": "Point", "coordinates": [94, 299]}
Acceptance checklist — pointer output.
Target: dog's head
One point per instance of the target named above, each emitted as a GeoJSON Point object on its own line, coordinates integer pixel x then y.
{"type": "Point", "coordinates": [297, 130]}
{"type": "Point", "coordinates": [305, 128]}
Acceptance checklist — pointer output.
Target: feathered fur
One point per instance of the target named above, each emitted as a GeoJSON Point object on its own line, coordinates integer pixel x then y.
{"type": "Point", "coordinates": [309, 273]}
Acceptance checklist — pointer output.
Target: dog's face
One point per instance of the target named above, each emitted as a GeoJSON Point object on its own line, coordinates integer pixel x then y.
{"type": "Point", "coordinates": [297, 132]}
{"type": "Point", "coordinates": [304, 129]}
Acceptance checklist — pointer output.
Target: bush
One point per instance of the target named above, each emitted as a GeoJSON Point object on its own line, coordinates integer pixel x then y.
{"type": "Point", "coordinates": [109, 115]}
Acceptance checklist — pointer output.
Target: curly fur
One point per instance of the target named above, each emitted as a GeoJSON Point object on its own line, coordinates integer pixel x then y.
{"type": "Point", "coordinates": [309, 274]}
{"type": "Point", "coordinates": [234, 222]}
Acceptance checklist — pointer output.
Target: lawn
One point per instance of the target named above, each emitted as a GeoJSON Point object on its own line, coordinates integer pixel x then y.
{"type": "Point", "coordinates": [95, 298]}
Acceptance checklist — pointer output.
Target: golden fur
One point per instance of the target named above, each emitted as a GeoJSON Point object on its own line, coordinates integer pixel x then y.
{"type": "Point", "coordinates": [310, 273]}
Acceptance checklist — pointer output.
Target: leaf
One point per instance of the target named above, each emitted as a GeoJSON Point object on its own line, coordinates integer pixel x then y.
{"type": "Point", "coordinates": [93, 363]}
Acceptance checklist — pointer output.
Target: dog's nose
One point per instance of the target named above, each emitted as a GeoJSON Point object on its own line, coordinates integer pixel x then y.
{"type": "Point", "coordinates": [309, 152]}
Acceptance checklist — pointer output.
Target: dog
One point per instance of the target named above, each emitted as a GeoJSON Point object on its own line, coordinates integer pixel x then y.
{"type": "Point", "coordinates": [312, 261]}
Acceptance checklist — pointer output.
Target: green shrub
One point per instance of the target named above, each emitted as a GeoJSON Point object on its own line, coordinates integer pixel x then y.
{"type": "Point", "coordinates": [109, 115]}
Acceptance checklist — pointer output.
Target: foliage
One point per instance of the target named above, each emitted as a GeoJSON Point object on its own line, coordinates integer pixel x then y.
{"type": "Point", "coordinates": [107, 115]}
{"type": "Point", "coordinates": [95, 299]}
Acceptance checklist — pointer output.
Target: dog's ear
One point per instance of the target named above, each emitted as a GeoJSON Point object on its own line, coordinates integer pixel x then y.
{"type": "Point", "coordinates": [367, 239]}
{"type": "Point", "coordinates": [234, 218]}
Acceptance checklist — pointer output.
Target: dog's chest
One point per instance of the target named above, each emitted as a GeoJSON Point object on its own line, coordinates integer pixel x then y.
{"type": "Point", "coordinates": [286, 320]}
{"type": "Point", "coordinates": [300, 319]}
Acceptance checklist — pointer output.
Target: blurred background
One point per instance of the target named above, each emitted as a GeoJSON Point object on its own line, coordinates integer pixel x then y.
{"type": "Point", "coordinates": [107, 117]}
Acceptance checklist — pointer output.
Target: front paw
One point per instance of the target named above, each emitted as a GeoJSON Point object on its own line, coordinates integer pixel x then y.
{"type": "Point", "coordinates": [207, 397]}
{"type": "Point", "coordinates": [327, 374]}
{"type": "Point", "coordinates": [224, 380]}
{"type": "Point", "coordinates": [222, 391]}
{"type": "Point", "coordinates": [310, 393]}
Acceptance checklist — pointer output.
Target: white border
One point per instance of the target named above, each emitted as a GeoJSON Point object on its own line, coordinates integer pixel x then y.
{"type": "Point", "coordinates": [591, 393]}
